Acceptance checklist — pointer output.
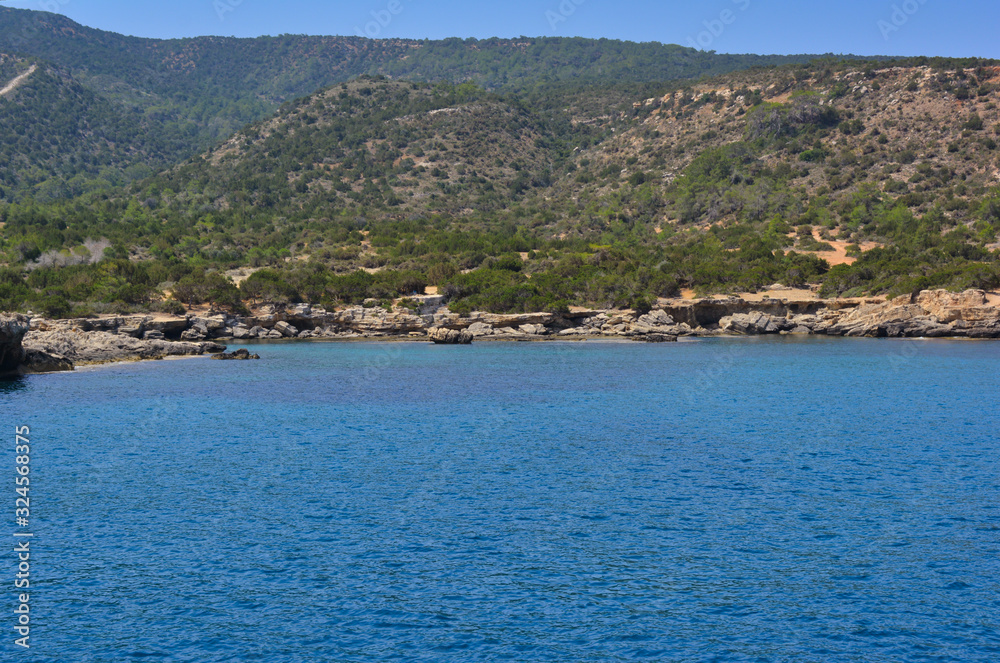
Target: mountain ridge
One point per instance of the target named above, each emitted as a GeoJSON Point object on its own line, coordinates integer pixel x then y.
{"type": "Point", "coordinates": [207, 88]}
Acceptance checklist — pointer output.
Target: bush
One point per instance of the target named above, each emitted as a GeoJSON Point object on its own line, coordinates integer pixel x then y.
{"type": "Point", "coordinates": [54, 305]}
{"type": "Point", "coordinates": [170, 306]}
{"type": "Point", "coordinates": [441, 272]}
{"type": "Point", "coordinates": [974, 123]}
{"type": "Point", "coordinates": [814, 155]}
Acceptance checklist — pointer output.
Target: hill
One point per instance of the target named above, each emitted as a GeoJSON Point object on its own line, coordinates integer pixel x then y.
{"type": "Point", "coordinates": [189, 94]}
{"type": "Point", "coordinates": [59, 139]}
{"type": "Point", "coordinates": [856, 179]}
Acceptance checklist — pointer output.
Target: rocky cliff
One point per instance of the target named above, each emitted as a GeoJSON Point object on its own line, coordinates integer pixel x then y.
{"type": "Point", "coordinates": [12, 331]}
{"type": "Point", "coordinates": [16, 359]}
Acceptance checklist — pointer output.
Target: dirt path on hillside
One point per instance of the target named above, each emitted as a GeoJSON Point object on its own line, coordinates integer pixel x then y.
{"type": "Point", "coordinates": [839, 254]}
{"type": "Point", "coordinates": [10, 87]}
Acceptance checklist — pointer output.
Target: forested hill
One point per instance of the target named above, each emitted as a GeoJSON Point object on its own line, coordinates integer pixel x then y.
{"type": "Point", "coordinates": [178, 97]}
{"type": "Point", "coordinates": [279, 68]}
{"type": "Point", "coordinates": [871, 179]}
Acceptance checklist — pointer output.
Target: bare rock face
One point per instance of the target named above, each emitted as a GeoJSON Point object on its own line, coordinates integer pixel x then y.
{"type": "Point", "coordinates": [478, 329]}
{"type": "Point", "coordinates": [512, 320]}
{"type": "Point", "coordinates": [753, 323]}
{"type": "Point", "coordinates": [444, 336]}
{"type": "Point", "coordinates": [951, 306]}
{"type": "Point", "coordinates": [930, 314]}
{"type": "Point", "coordinates": [12, 331]}
{"type": "Point", "coordinates": [656, 323]}
{"type": "Point", "coordinates": [533, 330]}
{"type": "Point", "coordinates": [36, 361]}
{"type": "Point", "coordinates": [375, 321]}
{"type": "Point", "coordinates": [101, 347]}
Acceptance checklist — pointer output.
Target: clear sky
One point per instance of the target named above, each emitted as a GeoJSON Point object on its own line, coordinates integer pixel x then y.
{"type": "Point", "coordinates": [864, 27]}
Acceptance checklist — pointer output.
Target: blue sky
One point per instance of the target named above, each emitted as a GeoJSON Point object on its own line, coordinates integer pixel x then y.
{"type": "Point", "coordinates": [868, 27]}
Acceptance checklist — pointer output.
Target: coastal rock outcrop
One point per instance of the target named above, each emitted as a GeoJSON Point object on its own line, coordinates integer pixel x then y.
{"type": "Point", "coordinates": [445, 336]}
{"type": "Point", "coordinates": [100, 347]}
{"type": "Point", "coordinates": [657, 338]}
{"type": "Point", "coordinates": [41, 345]}
{"type": "Point", "coordinates": [658, 325]}
{"type": "Point", "coordinates": [36, 361]}
{"type": "Point", "coordinates": [929, 314]}
{"type": "Point", "coordinates": [753, 323]}
{"type": "Point", "coordinates": [12, 331]}
{"type": "Point", "coordinates": [285, 329]}
{"type": "Point", "coordinates": [240, 355]}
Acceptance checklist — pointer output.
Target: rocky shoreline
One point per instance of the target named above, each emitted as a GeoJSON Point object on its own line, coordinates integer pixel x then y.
{"type": "Point", "coordinates": [40, 345]}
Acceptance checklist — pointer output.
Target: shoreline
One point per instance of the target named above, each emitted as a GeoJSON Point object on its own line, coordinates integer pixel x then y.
{"type": "Point", "coordinates": [87, 367]}
{"type": "Point", "coordinates": [53, 345]}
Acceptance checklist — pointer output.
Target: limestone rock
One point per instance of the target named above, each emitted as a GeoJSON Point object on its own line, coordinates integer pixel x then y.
{"type": "Point", "coordinates": [375, 321]}
{"type": "Point", "coordinates": [534, 330]}
{"type": "Point", "coordinates": [285, 329]}
{"type": "Point", "coordinates": [241, 354]}
{"type": "Point", "coordinates": [657, 338]}
{"type": "Point", "coordinates": [212, 346]}
{"type": "Point", "coordinates": [444, 336]}
{"type": "Point", "coordinates": [894, 319]}
{"type": "Point", "coordinates": [656, 322]}
{"type": "Point", "coordinates": [478, 329]}
{"type": "Point", "coordinates": [951, 306]}
{"type": "Point", "coordinates": [99, 347]}
{"type": "Point", "coordinates": [512, 320]}
{"type": "Point", "coordinates": [210, 324]}
{"type": "Point", "coordinates": [36, 361]}
{"type": "Point", "coordinates": [752, 323]}
{"type": "Point", "coordinates": [135, 331]}
{"type": "Point", "coordinates": [193, 334]}
{"type": "Point", "coordinates": [13, 329]}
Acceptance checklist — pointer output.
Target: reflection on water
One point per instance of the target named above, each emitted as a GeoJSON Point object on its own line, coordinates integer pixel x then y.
{"type": "Point", "coordinates": [13, 384]}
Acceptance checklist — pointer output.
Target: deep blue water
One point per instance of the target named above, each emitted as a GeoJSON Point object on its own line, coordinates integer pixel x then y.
{"type": "Point", "coordinates": [718, 500]}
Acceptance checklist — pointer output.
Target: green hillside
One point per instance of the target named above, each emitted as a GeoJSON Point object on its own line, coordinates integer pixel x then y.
{"type": "Point", "coordinates": [188, 94]}
{"type": "Point", "coordinates": [870, 179]}
{"type": "Point", "coordinates": [537, 175]}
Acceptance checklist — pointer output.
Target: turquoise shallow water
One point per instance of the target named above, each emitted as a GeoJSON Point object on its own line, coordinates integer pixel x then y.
{"type": "Point", "coordinates": [719, 500]}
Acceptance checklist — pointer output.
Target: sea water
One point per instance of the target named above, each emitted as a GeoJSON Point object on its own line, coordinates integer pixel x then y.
{"type": "Point", "coordinates": [713, 500]}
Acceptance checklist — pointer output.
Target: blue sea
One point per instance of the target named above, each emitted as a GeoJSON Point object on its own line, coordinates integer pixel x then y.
{"type": "Point", "coordinates": [712, 500]}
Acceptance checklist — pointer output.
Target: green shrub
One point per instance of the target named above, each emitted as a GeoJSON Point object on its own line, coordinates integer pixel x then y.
{"type": "Point", "coordinates": [974, 123]}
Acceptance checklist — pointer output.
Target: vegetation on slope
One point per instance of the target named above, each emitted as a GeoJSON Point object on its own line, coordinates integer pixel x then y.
{"type": "Point", "coordinates": [374, 189]}
{"type": "Point", "coordinates": [189, 94]}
